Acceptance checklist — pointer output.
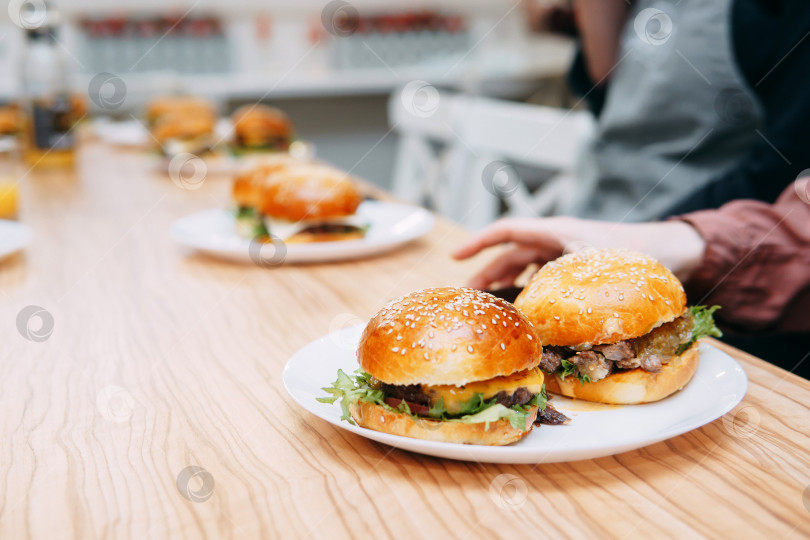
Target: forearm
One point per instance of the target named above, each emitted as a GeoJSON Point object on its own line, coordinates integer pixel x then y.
{"type": "Point", "coordinates": [600, 24]}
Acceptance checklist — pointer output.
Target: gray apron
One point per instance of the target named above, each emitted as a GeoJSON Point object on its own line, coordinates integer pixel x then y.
{"type": "Point", "coordinates": [677, 112]}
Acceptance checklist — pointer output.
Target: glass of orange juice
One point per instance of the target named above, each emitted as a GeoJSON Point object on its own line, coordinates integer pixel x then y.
{"type": "Point", "coordinates": [9, 167]}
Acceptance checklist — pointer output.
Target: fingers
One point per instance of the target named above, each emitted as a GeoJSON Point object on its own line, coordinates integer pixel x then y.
{"type": "Point", "coordinates": [534, 232]}
{"type": "Point", "coordinates": [490, 236]}
{"type": "Point", "coordinates": [504, 269]}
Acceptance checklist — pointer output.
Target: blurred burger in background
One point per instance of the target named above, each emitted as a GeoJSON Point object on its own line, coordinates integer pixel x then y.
{"type": "Point", "coordinates": [11, 120]}
{"type": "Point", "coordinates": [178, 106]}
{"type": "Point", "coordinates": [298, 202]}
{"type": "Point", "coordinates": [182, 124]}
{"type": "Point", "coordinates": [261, 128]}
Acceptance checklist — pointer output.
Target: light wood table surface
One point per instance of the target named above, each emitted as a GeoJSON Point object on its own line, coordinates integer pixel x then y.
{"type": "Point", "coordinates": [161, 359]}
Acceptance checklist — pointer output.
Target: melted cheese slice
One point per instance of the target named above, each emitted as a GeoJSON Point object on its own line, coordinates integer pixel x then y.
{"type": "Point", "coordinates": [284, 229]}
{"type": "Point", "coordinates": [455, 397]}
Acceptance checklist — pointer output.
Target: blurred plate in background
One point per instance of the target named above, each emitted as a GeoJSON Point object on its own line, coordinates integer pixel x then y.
{"type": "Point", "coordinates": [390, 225]}
{"type": "Point", "coordinates": [14, 236]}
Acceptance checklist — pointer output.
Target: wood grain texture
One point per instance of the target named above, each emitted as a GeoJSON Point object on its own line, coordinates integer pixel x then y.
{"type": "Point", "coordinates": [190, 351]}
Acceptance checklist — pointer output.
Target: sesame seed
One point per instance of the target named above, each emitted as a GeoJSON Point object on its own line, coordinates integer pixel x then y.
{"type": "Point", "coordinates": [402, 352]}
{"type": "Point", "coordinates": [504, 323]}
{"type": "Point", "coordinates": [395, 349]}
{"type": "Point", "coordinates": [503, 347]}
{"type": "Point", "coordinates": [454, 347]}
{"type": "Point", "coordinates": [551, 301]}
{"type": "Point", "coordinates": [399, 338]}
{"type": "Point", "coordinates": [479, 331]}
{"type": "Point", "coordinates": [469, 348]}
{"type": "Point", "coordinates": [590, 310]}
{"type": "Point", "coordinates": [529, 336]}
{"type": "Point", "coordinates": [426, 356]}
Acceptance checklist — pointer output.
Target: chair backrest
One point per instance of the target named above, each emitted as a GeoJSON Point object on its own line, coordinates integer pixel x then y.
{"type": "Point", "coordinates": [531, 134]}
{"type": "Point", "coordinates": [476, 132]}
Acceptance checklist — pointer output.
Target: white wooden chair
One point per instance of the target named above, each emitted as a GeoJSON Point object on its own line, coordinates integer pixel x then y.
{"type": "Point", "coordinates": [468, 179]}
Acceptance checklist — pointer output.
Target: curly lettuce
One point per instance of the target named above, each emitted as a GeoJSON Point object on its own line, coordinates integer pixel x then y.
{"type": "Point", "coordinates": [351, 389]}
{"type": "Point", "coordinates": [703, 326]}
{"type": "Point", "coordinates": [249, 222]}
{"type": "Point", "coordinates": [569, 368]}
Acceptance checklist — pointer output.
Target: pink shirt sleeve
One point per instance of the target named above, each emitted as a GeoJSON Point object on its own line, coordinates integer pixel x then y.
{"type": "Point", "coordinates": [756, 264]}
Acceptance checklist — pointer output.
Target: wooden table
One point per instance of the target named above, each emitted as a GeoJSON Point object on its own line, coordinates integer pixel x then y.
{"type": "Point", "coordinates": [161, 360]}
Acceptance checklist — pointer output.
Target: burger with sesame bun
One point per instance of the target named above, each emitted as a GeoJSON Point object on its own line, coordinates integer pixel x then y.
{"type": "Point", "coordinates": [448, 364]}
{"type": "Point", "coordinates": [298, 202]}
{"type": "Point", "coordinates": [615, 325]}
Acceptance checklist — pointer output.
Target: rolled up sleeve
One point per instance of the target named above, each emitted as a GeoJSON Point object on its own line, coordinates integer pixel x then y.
{"type": "Point", "coordinates": [756, 264]}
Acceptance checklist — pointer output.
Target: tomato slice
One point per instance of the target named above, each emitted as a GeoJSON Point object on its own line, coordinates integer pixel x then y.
{"type": "Point", "coordinates": [421, 410]}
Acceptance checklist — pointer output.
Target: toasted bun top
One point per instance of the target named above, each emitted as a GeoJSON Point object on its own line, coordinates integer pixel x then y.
{"type": "Point", "coordinates": [447, 336]}
{"type": "Point", "coordinates": [261, 121]}
{"type": "Point", "coordinates": [249, 183]}
{"type": "Point", "coordinates": [309, 192]}
{"type": "Point", "coordinates": [600, 296]}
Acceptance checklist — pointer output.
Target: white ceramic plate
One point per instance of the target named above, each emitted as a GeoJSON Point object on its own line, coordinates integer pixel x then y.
{"type": "Point", "coordinates": [13, 237]}
{"type": "Point", "coordinates": [595, 430]}
{"type": "Point", "coordinates": [390, 225]}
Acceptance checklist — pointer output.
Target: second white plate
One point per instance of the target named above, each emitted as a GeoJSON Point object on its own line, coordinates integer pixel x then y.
{"type": "Point", "coordinates": [595, 430]}
{"type": "Point", "coordinates": [390, 225]}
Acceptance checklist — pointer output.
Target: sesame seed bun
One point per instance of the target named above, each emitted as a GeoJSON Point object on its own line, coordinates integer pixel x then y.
{"type": "Point", "coordinates": [600, 296]}
{"type": "Point", "coordinates": [594, 297]}
{"type": "Point", "coordinates": [309, 192]}
{"type": "Point", "coordinates": [634, 386]}
{"type": "Point", "coordinates": [249, 183]}
{"type": "Point", "coordinates": [447, 336]}
{"type": "Point", "coordinates": [372, 416]}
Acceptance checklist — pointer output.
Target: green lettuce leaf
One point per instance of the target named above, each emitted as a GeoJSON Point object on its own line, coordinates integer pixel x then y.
{"type": "Point", "coordinates": [569, 368]}
{"type": "Point", "coordinates": [250, 221]}
{"type": "Point", "coordinates": [702, 326]}
{"type": "Point", "coordinates": [350, 390]}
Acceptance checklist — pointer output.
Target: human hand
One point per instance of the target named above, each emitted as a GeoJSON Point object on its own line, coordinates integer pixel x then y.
{"type": "Point", "coordinates": [539, 240]}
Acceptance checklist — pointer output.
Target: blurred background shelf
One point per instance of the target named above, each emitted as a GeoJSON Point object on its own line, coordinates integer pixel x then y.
{"type": "Point", "coordinates": [332, 79]}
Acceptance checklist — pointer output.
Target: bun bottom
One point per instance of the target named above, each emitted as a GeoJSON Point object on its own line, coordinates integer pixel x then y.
{"type": "Point", "coordinates": [631, 387]}
{"type": "Point", "coordinates": [308, 237]}
{"type": "Point", "coordinates": [373, 416]}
